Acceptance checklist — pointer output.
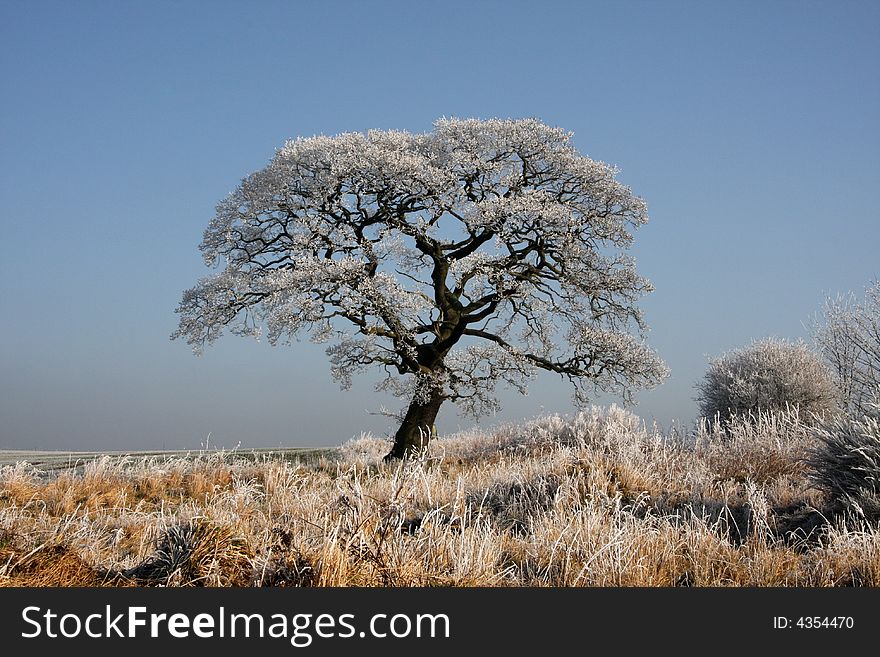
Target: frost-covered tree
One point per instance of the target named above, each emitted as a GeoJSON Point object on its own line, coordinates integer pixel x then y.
{"type": "Point", "coordinates": [478, 253]}
{"type": "Point", "coordinates": [848, 335]}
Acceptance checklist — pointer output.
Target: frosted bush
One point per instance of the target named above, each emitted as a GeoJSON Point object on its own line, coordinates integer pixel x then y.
{"type": "Point", "coordinates": [846, 465]}
{"type": "Point", "coordinates": [768, 375]}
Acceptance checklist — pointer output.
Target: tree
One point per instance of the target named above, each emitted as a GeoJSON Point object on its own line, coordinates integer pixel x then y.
{"type": "Point", "coordinates": [477, 253]}
{"type": "Point", "coordinates": [767, 375]}
{"type": "Point", "coordinates": [848, 335]}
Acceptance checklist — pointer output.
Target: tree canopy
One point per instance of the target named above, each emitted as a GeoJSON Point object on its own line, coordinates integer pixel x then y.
{"type": "Point", "coordinates": [478, 253]}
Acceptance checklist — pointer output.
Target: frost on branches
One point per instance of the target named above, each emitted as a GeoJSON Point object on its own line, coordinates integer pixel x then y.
{"type": "Point", "coordinates": [474, 254]}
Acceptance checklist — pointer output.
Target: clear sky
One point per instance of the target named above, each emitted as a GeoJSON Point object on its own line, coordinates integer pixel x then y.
{"type": "Point", "coordinates": [752, 129]}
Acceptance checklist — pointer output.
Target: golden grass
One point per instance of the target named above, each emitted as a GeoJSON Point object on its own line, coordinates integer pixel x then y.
{"type": "Point", "coordinates": [597, 500]}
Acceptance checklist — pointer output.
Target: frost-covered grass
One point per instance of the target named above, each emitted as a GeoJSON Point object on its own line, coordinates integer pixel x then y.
{"type": "Point", "coordinates": [595, 500]}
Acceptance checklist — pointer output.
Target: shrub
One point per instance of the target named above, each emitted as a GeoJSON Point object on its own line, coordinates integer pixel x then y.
{"type": "Point", "coordinates": [846, 465]}
{"type": "Point", "coordinates": [768, 375]}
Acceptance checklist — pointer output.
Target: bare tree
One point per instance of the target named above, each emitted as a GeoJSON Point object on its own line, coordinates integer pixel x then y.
{"type": "Point", "coordinates": [848, 336]}
{"type": "Point", "coordinates": [477, 253]}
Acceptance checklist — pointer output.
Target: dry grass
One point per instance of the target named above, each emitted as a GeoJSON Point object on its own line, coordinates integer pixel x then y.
{"type": "Point", "coordinates": [597, 500]}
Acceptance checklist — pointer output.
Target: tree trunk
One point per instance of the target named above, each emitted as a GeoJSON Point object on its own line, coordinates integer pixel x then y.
{"type": "Point", "coordinates": [415, 430]}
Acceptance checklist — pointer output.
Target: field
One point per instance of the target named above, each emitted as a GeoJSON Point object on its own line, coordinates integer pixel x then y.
{"type": "Point", "coordinates": [599, 499]}
{"type": "Point", "coordinates": [48, 463]}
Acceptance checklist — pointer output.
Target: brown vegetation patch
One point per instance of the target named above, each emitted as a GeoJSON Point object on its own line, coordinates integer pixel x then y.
{"type": "Point", "coordinates": [513, 504]}
{"type": "Point", "coordinates": [597, 501]}
{"type": "Point", "coordinates": [46, 566]}
{"type": "Point", "coordinates": [757, 463]}
{"type": "Point", "coordinates": [198, 553]}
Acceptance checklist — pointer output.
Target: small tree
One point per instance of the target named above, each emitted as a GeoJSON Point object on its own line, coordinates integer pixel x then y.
{"type": "Point", "coordinates": [768, 375]}
{"type": "Point", "coordinates": [477, 253]}
{"type": "Point", "coordinates": [848, 336]}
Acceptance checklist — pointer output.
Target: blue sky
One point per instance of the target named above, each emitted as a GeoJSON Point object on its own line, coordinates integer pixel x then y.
{"type": "Point", "coordinates": [752, 129]}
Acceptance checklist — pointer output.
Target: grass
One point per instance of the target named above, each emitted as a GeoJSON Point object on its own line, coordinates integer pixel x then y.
{"type": "Point", "coordinates": [595, 500]}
